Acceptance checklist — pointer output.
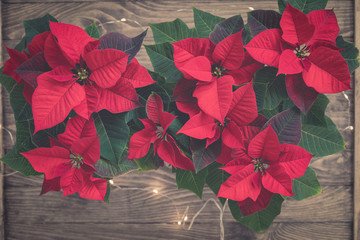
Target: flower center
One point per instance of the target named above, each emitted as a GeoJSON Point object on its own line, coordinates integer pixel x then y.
{"type": "Point", "coordinates": [302, 51]}
{"type": "Point", "coordinates": [160, 133]}
{"type": "Point", "coordinates": [218, 71]}
{"type": "Point", "coordinates": [259, 165]}
{"type": "Point", "coordinates": [82, 74]}
{"type": "Point", "coordinates": [76, 161]}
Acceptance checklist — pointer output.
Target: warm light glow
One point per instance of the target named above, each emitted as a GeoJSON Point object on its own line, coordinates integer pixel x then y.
{"type": "Point", "coordinates": [179, 222]}
{"type": "Point", "coordinates": [155, 191]}
{"type": "Point", "coordinates": [185, 218]}
{"type": "Point", "coordinates": [111, 182]}
{"type": "Point", "coordinates": [251, 8]}
{"type": "Point", "coordinates": [123, 20]}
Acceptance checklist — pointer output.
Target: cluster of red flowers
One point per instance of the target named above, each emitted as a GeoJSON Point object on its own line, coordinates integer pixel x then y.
{"type": "Point", "coordinates": [216, 93]}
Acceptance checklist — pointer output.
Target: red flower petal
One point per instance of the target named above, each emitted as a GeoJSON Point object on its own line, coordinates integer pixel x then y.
{"type": "Point", "coordinates": [72, 40]}
{"type": "Point", "coordinates": [38, 43]}
{"type": "Point", "coordinates": [295, 26]}
{"type": "Point", "coordinates": [50, 185]}
{"type": "Point", "coordinates": [185, 102]}
{"type": "Point", "coordinates": [140, 141]}
{"type": "Point", "coordinates": [237, 165]}
{"type": "Point", "coordinates": [289, 63]}
{"type": "Point", "coordinates": [76, 128]}
{"type": "Point", "coordinates": [249, 206]}
{"type": "Point", "coordinates": [180, 160]}
{"type": "Point", "coordinates": [53, 101]}
{"type": "Point", "coordinates": [225, 156]}
{"type": "Point", "coordinates": [88, 148]}
{"type": "Point", "coordinates": [46, 160]}
{"type": "Point", "coordinates": [294, 160]}
{"type": "Point", "coordinates": [243, 108]}
{"type": "Point", "coordinates": [94, 188]}
{"type": "Point", "coordinates": [198, 68]}
{"type": "Point", "coordinates": [154, 110]}
{"type": "Point", "coordinates": [137, 75]}
{"type": "Point", "coordinates": [328, 73]}
{"type": "Point", "coordinates": [54, 55]}
{"type": "Point", "coordinates": [246, 72]}
{"type": "Point", "coordinates": [120, 98]}
{"type": "Point", "coordinates": [301, 95]}
{"type": "Point", "coordinates": [231, 135]}
{"type": "Point", "coordinates": [89, 104]}
{"type": "Point", "coordinates": [276, 180]}
{"type": "Point", "coordinates": [189, 48]}
{"type": "Point", "coordinates": [200, 126]}
{"type": "Point", "coordinates": [239, 186]}
{"type": "Point", "coordinates": [214, 98]}
{"type": "Point", "coordinates": [230, 52]}
{"type": "Point", "coordinates": [73, 180]}
{"type": "Point", "coordinates": [106, 66]}
{"type": "Point", "coordinates": [266, 47]}
{"type": "Point", "coordinates": [265, 145]}
{"type": "Point", "coordinates": [326, 26]}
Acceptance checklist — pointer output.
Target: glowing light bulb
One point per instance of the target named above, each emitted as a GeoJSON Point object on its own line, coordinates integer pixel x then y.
{"type": "Point", "coordinates": [111, 182]}
{"type": "Point", "coordinates": [155, 191]}
{"type": "Point", "coordinates": [185, 218]}
{"type": "Point", "coordinates": [179, 222]}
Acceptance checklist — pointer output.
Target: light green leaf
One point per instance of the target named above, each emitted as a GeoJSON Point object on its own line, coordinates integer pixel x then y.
{"type": "Point", "coordinates": [322, 141]}
{"type": "Point", "coordinates": [305, 6]}
{"type": "Point", "coordinates": [93, 31]}
{"type": "Point", "coordinates": [306, 186]}
{"type": "Point", "coordinates": [316, 114]}
{"type": "Point", "coordinates": [205, 22]}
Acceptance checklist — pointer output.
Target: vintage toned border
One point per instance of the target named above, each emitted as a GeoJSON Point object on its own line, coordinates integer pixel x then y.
{"type": "Point", "coordinates": [2, 229]}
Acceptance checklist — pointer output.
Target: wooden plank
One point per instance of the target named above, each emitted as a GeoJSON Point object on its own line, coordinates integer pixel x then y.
{"type": "Point", "coordinates": [357, 129]}
{"type": "Point", "coordinates": [142, 205]}
{"type": "Point", "coordinates": [135, 231]}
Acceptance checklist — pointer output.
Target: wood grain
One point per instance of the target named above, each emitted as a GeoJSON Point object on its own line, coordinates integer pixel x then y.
{"type": "Point", "coordinates": [139, 214]}
{"type": "Point", "coordinates": [2, 236]}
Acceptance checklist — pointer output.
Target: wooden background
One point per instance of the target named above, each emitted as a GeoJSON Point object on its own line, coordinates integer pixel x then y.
{"type": "Point", "coordinates": [139, 213]}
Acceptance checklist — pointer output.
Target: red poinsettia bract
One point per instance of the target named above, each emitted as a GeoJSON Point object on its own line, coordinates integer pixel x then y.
{"type": "Point", "coordinates": [84, 78]}
{"type": "Point", "coordinates": [68, 163]}
{"type": "Point", "coordinates": [262, 167]}
{"type": "Point", "coordinates": [155, 132]}
{"type": "Point", "coordinates": [242, 111]}
{"type": "Point", "coordinates": [305, 45]}
{"type": "Point", "coordinates": [215, 68]}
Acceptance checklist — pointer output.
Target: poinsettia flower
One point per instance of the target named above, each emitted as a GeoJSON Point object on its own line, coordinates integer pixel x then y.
{"type": "Point", "coordinates": [215, 68]}
{"type": "Point", "coordinates": [84, 78]}
{"type": "Point", "coordinates": [68, 163]}
{"type": "Point", "coordinates": [263, 163]}
{"type": "Point", "coordinates": [24, 67]}
{"type": "Point", "coordinates": [249, 206]}
{"type": "Point", "coordinates": [155, 132]}
{"type": "Point", "coordinates": [242, 111]}
{"type": "Point", "coordinates": [304, 45]}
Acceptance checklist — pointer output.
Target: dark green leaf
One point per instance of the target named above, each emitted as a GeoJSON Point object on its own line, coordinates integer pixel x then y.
{"type": "Point", "coordinates": [114, 134]}
{"type": "Point", "coordinates": [201, 156]}
{"type": "Point", "coordinates": [205, 22]}
{"type": "Point", "coordinates": [7, 82]}
{"type": "Point", "coordinates": [36, 26]}
{"type": "Point", "coordinates": [192, 181]}
{"type": "Point", "coordinates": [349, 52]}
{"type": "Point", "coordinates": [93, 31]}
{"type": "Point", "coordinates": [107, 195]}
{"type": "Point", "coordinates": [306, 186]}
{"type": "Point", "coordinates": [171, 31]}
{"type": "Point", "coordinates": [161, 57]}
{"type": "Point", "coordinates": [260, 220]}
{"type": "Point", "coordinates": [22, 109]}
{"type": "Point", "coordinates": [182, 140]}
{"type": "Point", "coordinates": [270, 89]}
{"type": "Point", "coordinates": [216, 177]}
{"type": "Point", "coordinates": [144, 93]}
{"type": "Point", "coordinates": [227, 27]}
{"type": "Point", "coordinates": [305, 6]}
{"type": "Point", "coordinates": [151, 161]}
{"type": "Point", "coordinates": [322, 141]}
{"type": "Point", "coordinates": [316, 114]}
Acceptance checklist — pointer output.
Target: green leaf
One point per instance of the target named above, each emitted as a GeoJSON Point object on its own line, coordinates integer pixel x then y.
{"type": "Point", "coordinates": [150, 161]}
{"type": "Point", "coordinates": [93, 31]}
{"type": "Point", "coordinates": [182, 140]}
{"type": "Point", "coordinates": [226, 28]}
{"type": "Point", "coordinates": [108, 169]}
{"type": "Point", "coordinates": [161, 57]}
{"type": "Point", "coordinates": [261, 20]}
{"type": "Point", "coordinates": [192, 181]}
{"type": "Point", "coordinates": [107, 195]}
{"type": "Point", "coordinates": [216, 177]}
{"type": "Point", "coordinates": [22, 109]}
{"type": "Point", "coordinates": [36, 26]}
{"type": "Point", "coordinates": [270, 89]}
{"type": "Point", "coordinates": [306, 186]}
{"type": "Point", "coordinates": [260, 220]}
{"type": "Point", "coordinates": [316, 114]}
{"type": "Point", "coordinates": [202, 156]}
{"type": "Point", "coordinates": [322, 141]}
{"type": "Point", "coordinates": [113, 132]}
{"type": "Point", "coordinates": [14, 159]}
{"type": "Point", "coordinates": [305, 6]}
{"type": "Point", "coordinates": [171, 31]}
{"type": "Point", "coordinates": [349, 52]}
{"type": "Point", "coordinates": [205, 22]}
{"type": "Point", "coordinates": [144, 93]}
{"type": "Point", "coordinates": [7, 81]}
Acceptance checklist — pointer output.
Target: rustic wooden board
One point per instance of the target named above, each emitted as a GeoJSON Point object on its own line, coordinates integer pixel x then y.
{"type": "Point", "coordinates": [139, 214]}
